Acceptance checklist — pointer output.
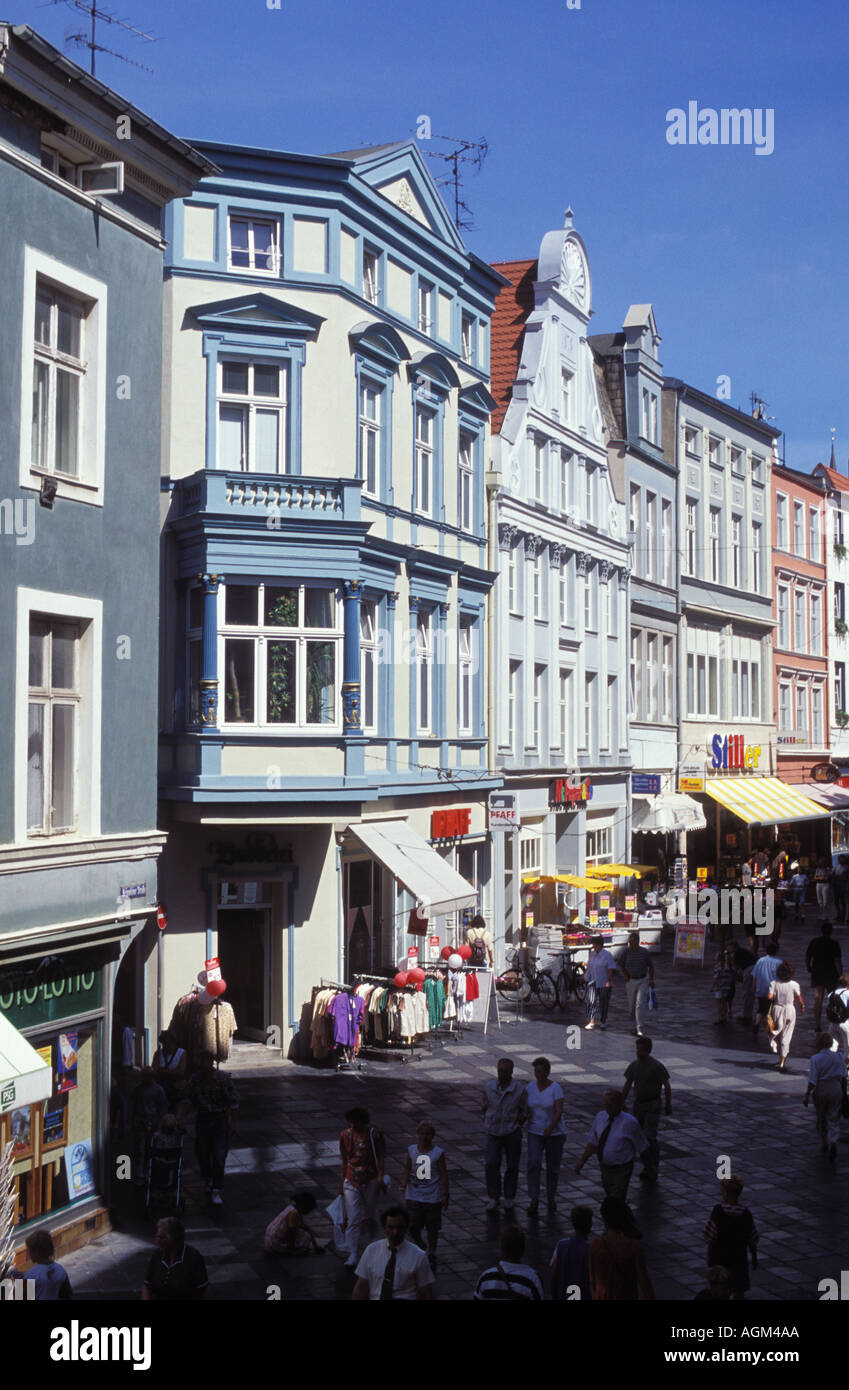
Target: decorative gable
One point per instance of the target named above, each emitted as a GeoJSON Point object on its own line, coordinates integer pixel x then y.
{"type": "Point", "coordinates": [400, 192]}
{"type": "Point", "coordinates": [257, 312]}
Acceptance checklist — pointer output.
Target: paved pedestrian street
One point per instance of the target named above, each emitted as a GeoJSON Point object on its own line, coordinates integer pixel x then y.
{"type": "Point", "coordinates": [728, 1099]}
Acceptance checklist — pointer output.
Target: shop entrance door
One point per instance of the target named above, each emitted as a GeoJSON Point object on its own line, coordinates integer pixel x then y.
{"type": "Point", "coordinates": [244, 956]}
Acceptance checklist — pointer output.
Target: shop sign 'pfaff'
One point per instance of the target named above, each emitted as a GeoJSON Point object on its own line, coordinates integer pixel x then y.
{"type": "Point", "coordinates": [570, 791]}
{"type": "Point", "coordinates": [447, 825]}
{"type": "Point", "coordinates": [732, 752]}
{"type": "Point", "coordinates": [504, 811]}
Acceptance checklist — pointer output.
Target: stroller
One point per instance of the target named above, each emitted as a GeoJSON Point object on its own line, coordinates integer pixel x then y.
{"type": "Point", "coordinates": [164, 1184]}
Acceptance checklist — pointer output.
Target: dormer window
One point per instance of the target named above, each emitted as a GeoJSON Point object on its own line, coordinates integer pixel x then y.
{"type": "Point", "coordinates": [94, 178]}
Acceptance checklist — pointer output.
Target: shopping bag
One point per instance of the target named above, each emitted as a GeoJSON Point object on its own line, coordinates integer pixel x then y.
{"type": "Point", "coordinates": [652, 1000]}
{"type": "Point", "coordinates": [336, 1212]}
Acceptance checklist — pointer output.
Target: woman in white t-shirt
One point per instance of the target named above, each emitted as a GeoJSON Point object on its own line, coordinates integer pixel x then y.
{"type": "Point", "coordinates": [546, 1133]}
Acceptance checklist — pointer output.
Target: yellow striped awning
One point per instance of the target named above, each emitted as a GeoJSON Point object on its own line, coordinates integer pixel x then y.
{"type": "Point", "coordinates": [762, 800]}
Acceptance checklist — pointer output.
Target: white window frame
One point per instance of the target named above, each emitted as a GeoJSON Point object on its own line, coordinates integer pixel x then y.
{"type": "Point", "coordinates": [540, 479]}
{"type": "Point", "coordinates": [815, 624]}
{"type": "Point", "coordinates": [611, 716]}
{"type": "Point", "coordinates": [514, 680]}
{"type": "Point", "coordinates": [590, 678]}
{"type": "Point", "coordinates": [369, 662]}
{"type": "Point", "coordinates": [692, 537]}
{"type": "Point", "coordinates": [563, 591]}
{"type": "Point", "coordinates": [781, 522]}
{"type": "Point", "coordinates": [565, 480]}
{"type": "Point", "coordinates": [467, 338]}
{"type": "Point", "coordinates": [714, 451]}
{"type": "Point", "coordinates": [370, 260]}
{"type": "Point", "coordinates": [801, 708]}
{"type": "Point", "coordinates": [565, 707]}
{"type": "Point", "coordinates": [757, 557]}
{"type": "Point", "coordinates": [814, 545]}
{"type": "Point", "coordinates": [252, 268]}
{"type": "Point", "coordinates": [513, 593]}
{"type": "Point", "coordinates": [466, 465]}
{"type": "Point", "coordinates": [715, 535]}
{"type": "Point", "coordinates": [757, 468]}
{"type": "Point", "coordinates": [466, 635]}
{"type": "Point", "coordinates": [799, 537]}
{"type": "Point", "coordinates": [88, 487]}
{"type": "Point", "coordinates": [800, 620]}
{"type": "Point", "coordinates": [425, 461]}
{"type": "Point", "coordinates": [538, 587]}
{"type": "Point", "coordinates": [738, 559]}
{"type": "Point", "coordinates": [538, 707]}
{"type": "Point", "coordinates": [693, 441]}
{"type": "Point", "coordinates": [424, 669]}
{"type": "Point", "coordinates": [530, 851]}
{"type": "Point", "coordinates": [252, 404]}
{"type": "Point", "coordinates": [567, 383]}
{"type": "Point", "coordinates": [371, 428]}
{"type": "Point", "coordinates": [817, 721]}
{"type": "Point", "coordinates": [89, 614]}
{"type": "Point", "coordinates": [651, 536]}
{"type": "Point", "coordinates": [840, 685]}
{"type": "Point", "coordinates": [599, 843]}
{"type": "Point", "coordinates": [664, 569]}
{"type": "Point", "coordinates": [784, 707]}
{"type": "Point", "coordinates": [737, 460]}
{"type": "Point", "coordinates": [782, 605]}
{"type": "Point", "coordinates": [262, 634]}
{"type": "Point", "coordinates": [667, 680]}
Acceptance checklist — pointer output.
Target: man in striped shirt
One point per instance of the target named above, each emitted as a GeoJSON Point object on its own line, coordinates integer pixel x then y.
{"type": "Point", "coordinates": [509, 1278]}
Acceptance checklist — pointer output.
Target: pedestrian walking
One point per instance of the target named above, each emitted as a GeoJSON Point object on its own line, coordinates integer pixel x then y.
{"type": "Point", "coordinates": [731, 1235]}
{"type": "Point", "coordinates": [742, 959]}
{"type": "Point", "coordinates": [569, 1272]}
{"type": "Point", "coordinates": [638, 968]}
{"type": "Point", "coordinates": [546, 1133]}
{"type": "Point", "coordinates": [746, 873]}
{"type": "Point", "coordinates": [840, 887]}
{"type": "Point", "coordinates": [798, 888]}
{"type": "Point", "coordinates": [601, 968]}
{"type": "Point", "coordinates": [827, 1085]}
{"type": "Point", "coordinates": [822, 885]}
{"type": "Point", "coordinates": [783, 994]}
{"type": "Point", "coordinates": [362, 1149]}
{"type": "Point", "coordinates": [176, 1272]}
{"type": "Point", "coordinates": [650, 1080]}
{"type": "Point", "coordinates": [722, 984]}
{"type": "Point", "coordinates": [617, 1139]}
{"type": "Point", "coordinates": [837, 1013]}
{"type": "Point", "coordinates": [617, 1269]}
{"type": "Point", "coordinates": [424, 1187]}
{"type": "Point", "coordinates": [288, 1234]}
{"type": "Point", "coordinates": [213, 1096]}
{"type": "Point", "coordinates": [763, 973]}
{"type": "Point", "coordinates": [509, 1278]}
{"type": "Point", "coordinates": [393, 1268]}
{"type": "Point", "coordinates": [825, 962]}
{"type": "Point", "coordinates": [149, 1104]}
{"type": "Point", "coordinates": [504, 1110]}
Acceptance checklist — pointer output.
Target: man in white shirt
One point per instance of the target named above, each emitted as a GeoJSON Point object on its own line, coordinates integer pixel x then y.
{"type": "Point", "coordinates": [617, 1139]}
{"type": "Point", "coordinates": [393, 1267]}
{"type": "Point", "coordinates": [601, 968]}
{"type": "Point", "coordinates": [505, 1110]}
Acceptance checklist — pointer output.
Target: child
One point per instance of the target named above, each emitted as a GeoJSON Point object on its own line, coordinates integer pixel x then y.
{"type": "Point", "coordinates": [723, 979]}
{"type": "Point", "coordinates": [570, 1263]}
{"type": "Point", "coordinates": [426, 1176]}
{"type": "Point", "coordinates": [288, 1234]}
{"type": "Point", "coordinates": [51, 1280]}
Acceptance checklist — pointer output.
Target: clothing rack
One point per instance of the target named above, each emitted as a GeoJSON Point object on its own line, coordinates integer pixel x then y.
{"type": "Point", "coordinates": [407, 1051]}
{"type": "Point", "coordinates": [333, 984]}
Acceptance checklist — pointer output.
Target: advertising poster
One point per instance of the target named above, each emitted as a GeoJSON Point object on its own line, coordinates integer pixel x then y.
{"type": "Point", "coordinates": [22, 1132]}
{"type": "Point", "coordinates": [66, 1062]}
{"type": "Point", "coordinates": [690, 943]}
{"type": "Point", "coordinates": [79, 1169]}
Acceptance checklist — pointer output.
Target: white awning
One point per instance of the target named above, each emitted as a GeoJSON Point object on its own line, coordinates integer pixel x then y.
{"type": "Point", "coordinates": [436, 887]}
{"type": "Point", "coordinates": [668, 811]}
{"type": "Point", "coordinates": [24, 1076]}
{"type": "Point", "coordinates": [834, 797]}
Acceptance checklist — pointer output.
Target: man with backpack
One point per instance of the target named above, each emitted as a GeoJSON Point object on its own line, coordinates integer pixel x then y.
{"type": "Point", "coordinates": [824, 960]}
{"type": "Point", "coordinates": [837, 1013]}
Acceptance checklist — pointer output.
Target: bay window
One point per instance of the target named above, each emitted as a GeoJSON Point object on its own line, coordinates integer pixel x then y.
{"type": "Point", "coordinates": [281, 649]}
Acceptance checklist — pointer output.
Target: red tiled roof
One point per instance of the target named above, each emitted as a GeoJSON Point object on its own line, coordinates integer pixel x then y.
{"type": "Point", "coordinates": [512, 307]}
{"type": "Point", "coordinates": [838, 480]}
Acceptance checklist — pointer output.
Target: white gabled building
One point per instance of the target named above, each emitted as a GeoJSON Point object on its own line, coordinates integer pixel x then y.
{"type": "Point", "coordinates": [559, 624]}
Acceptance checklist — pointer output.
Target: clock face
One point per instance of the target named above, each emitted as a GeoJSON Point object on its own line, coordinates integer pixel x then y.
{"type": "Point", "coordinates": [573, 275]}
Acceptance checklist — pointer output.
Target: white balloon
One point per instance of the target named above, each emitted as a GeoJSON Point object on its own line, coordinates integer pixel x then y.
{"type": "Point", "coordinates": [455, 962]}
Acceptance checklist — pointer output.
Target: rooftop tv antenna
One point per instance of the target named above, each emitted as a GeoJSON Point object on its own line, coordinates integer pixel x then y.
{"type": "Point", "coordinates": [88, 39]}
{"type": "Point", "coordinates": [463, 152]}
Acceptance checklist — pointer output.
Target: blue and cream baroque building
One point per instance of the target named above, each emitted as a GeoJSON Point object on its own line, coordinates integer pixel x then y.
{"type": "Point", "coordinates": [560, 733]}
{"type": "Point", "coordinates": [325, 580]}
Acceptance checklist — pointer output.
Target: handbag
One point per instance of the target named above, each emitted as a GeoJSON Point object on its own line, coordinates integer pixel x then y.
{"type": "Point", "coordinates": [652, 997]}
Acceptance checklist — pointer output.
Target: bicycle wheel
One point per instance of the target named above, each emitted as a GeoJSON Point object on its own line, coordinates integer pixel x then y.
{"type": "Point", "coordinates": [579, 983]}
{"type": "Point", "coordinates": [546, 989]}
{"type": "Point", "coordinates": [563, 989]}
{"type": "Point", "coordinates": [507, 984]}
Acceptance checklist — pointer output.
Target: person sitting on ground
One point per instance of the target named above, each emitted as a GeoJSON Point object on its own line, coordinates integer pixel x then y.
{"type": "Point", "coordinates": [50, 1279]}
{"type": "Point", "coordinates": [509, 1278]}
{"type": "Point", "coordinates": [288, 1234]}
{"type": "Point", "coordinates": [570, 1263]}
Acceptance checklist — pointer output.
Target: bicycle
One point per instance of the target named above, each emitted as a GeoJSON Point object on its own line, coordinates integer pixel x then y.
{"type": "Point", "coordinates": [572, 979]}
{"type": "Point", "coordinates": [519, 982]}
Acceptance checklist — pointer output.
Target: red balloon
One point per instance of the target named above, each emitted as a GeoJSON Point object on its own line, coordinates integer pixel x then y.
{"type": "Point", "coordinates": [416, 976]}
{"type": "Point", "coordinates": [216, 987]}
{"type": "Point", "coordinates": [420, 986]}
{"type": "Point", "coordinates": [401, 979]}
{"type": "Point", "coordinates": [446, 952]}
{"type": "Point", "coordinates": [465, 951]}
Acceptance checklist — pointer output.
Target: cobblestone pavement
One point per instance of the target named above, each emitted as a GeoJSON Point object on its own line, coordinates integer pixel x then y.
{"type": "Point", "coordinates": [728, 1098]}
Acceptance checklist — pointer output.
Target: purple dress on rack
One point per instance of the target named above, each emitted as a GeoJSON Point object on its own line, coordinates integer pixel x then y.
{"type": "Point", "coordinates": [346, 1011]}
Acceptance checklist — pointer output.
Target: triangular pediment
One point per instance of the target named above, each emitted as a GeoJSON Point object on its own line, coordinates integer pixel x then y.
{"type": "Point", "coordinates": [257, 312]}
{"type": "Point", "coordinates": [400, 174]}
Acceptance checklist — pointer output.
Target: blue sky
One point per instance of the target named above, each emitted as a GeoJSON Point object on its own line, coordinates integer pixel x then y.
{"type": "Point", "coordinates": [743, 256]}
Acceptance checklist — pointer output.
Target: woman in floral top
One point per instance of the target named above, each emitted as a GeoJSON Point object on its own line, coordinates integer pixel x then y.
{"type": "Point", "coordinates": [362, 1149]}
